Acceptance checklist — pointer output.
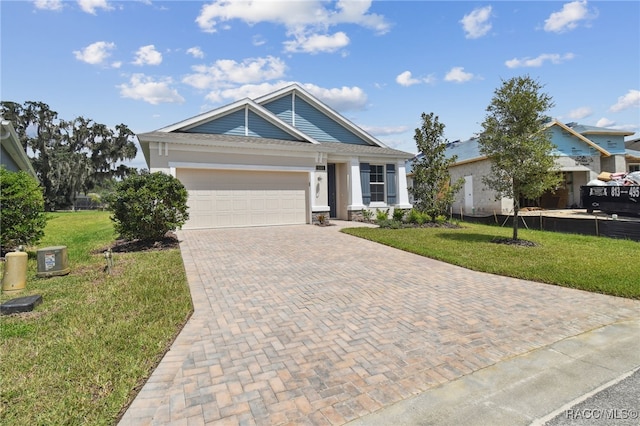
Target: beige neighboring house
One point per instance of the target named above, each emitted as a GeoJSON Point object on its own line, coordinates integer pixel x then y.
{"type": "Point", "coordinates": [12, 155]}
{"type": "Point", "coordinates": [279, 159]}
{"type": "Point", "coordinates": [582, 153]}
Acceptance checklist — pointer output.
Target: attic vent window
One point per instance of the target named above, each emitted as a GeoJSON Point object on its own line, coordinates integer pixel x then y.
{"type": "Point", "coordinates": [321, 168]}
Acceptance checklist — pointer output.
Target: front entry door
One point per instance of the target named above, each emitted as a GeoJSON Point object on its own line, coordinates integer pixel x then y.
{"type": "Point", "coordinates": [331, 176]}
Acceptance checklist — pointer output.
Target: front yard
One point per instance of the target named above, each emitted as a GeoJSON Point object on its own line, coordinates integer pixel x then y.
{"type": "Point", "coordinates": [79, 357]}
{"type": "Point", "coordinates": [596, 264]}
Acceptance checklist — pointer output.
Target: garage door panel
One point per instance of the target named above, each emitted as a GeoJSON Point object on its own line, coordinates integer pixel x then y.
{"type": "Point", "coordinates": [243, 198]}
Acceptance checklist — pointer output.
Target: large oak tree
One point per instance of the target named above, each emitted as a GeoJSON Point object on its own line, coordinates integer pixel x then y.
{"type": "Point", "coordinates": [70, 157]}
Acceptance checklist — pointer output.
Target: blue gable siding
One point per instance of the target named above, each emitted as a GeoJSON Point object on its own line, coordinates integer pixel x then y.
{"type": "Point", "coordinates": [612, 143]}
{"type": "Point", "coordinates": [568, 144]}
{"type": "Point", "coordinates": [260, 127]}
{"type": "Point", "coordinates": [234, 124]}
{"type": "Point", "coordinates": [314, 123]}
{"type": "Point", "coordinates": [230, 124]}
{"type": "Point", "coordinates": [8, 162]}
{"type": "Point", "coordinates": [282, 108]}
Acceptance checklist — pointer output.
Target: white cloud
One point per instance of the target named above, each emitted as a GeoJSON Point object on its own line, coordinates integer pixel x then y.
{"type": "Point", "coordinates": [95, 53]}
{"type": "Point", "coordinates": [293, 15]}
{"type": "Point", "coordinates": [457, 75]}
{"type": "Point", "coordinates": [196, 52]}
{"type": "Point", "coordinates": [476, 24]}
{"type": "Point", "coordinates": [580, 113]}
{"type": "Point", "coordinates": [315, 43]}
{"type": "Point", "coordinates": [406, 79]}
{"type": "Point", "coordinates": [538, 61]}
{"type": "Point", "coordinates": [90, 6]}
{"type": "Point", "coordinates": [569, 17]}
{"type": "Point", "coordinates": [258, 40]}
{"type": "Point", "coordinates": [306, 22]}
{"type": "Point", "coordinates": [630, 100]}
{"type": "Point", "coordinates": [49, 4]}
{"type": "Point", "coordinates": [148, 55]}
{"type": "Point", "coordinates": [341, 99]}
{"type": "Point", "coordinates": [605, 122]}
{"type": "Point", "coordinates": [141, 87]}
{"type": "Point", "coordinates": [385, 131]}
{"type": "Point", "coordinates": [226, 72]}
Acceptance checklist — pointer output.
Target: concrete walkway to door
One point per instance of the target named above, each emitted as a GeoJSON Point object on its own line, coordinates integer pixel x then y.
{"type": "Point", "coordinates": [306, 325]}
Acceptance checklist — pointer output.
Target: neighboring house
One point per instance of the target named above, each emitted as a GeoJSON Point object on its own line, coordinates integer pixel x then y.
{"type": "Point", "coordinates": [282, 158]}
{"type": "Point", "coordinates": [632, 149]}
{"type": "Point", "coordinates": [12, 155]}
{"type": "Point", "coordinates": [582, 153]}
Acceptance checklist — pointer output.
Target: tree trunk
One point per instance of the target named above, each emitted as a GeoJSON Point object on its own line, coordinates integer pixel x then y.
{"type": "Point", "coordinates": [516, 211]}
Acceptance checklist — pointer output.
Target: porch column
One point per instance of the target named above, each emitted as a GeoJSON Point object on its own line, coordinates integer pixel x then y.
{"type": "Point", "coordinates": [355, 190]}
{"type": "Point", "coordinates": [403, 192]}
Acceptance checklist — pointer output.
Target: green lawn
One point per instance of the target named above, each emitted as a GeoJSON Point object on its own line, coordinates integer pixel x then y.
{"type": "Point", "coordinates": [78, 358]}
{"type": "Point", "coordinates": [597, 264]}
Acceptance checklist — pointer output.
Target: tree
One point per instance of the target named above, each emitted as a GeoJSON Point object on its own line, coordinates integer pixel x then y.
{"type": "Point", "coordinates": [432, 187]}
{"type": "Point", "coordinates": [516, 142]}
{"type": "Point", "coordinates": [22, 217]}
{"type": "Point", "coordinates": [69, 156]}
{"type": "Point", "coordinates": [149, 205]}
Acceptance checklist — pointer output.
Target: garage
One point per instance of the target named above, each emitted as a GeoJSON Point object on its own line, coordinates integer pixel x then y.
{"type": "Point", "coordinates": [235, 198]}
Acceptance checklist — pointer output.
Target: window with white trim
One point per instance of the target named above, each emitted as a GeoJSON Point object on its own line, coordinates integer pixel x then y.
{"type": "Point", "coordinates": [376, 182]}
{"type": "Point", "coordinates": [634, 168]}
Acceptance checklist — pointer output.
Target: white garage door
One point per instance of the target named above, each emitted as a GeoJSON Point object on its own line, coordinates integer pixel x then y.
{"type": "Point", "coordinates": [230, 198]}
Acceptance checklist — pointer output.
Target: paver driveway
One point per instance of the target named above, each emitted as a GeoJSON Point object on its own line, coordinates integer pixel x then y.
{"type": "Point", "coordinates": [306, 325]}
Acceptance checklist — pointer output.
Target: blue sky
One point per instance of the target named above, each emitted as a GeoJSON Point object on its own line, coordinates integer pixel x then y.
{"type": "Point", "coordinates": [381, 64]}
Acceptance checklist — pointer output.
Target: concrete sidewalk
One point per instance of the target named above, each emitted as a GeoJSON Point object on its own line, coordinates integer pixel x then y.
{"type": "Point", "coordinates": [304, 325]}
{"type": "Point", "coordinates": [525, 390]}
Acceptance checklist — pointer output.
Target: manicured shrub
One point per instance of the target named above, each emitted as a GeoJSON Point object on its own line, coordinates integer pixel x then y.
{"type": "Point", "coordinates": [418, 217]}
{"type": "Point", "coordinates": [398, 215]}
{"type": "Point", "coordinates": [22, 217]}
{"type": "Point", "coordinates": [149, 205]}
{"type": "Point", "coordinates": [382, 215]}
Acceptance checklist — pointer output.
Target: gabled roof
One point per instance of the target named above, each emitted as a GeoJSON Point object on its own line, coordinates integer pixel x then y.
{"type": "Point", "coordinates": [297, 90]}
{"type": "Point", "coordinates": [468, 151]}
{"type": "Point", "coordinates": [579, 135]}
{"type": "Point", "coordinates": [584, 129]}
{"type": "Point", "coordinates": [246, 104]}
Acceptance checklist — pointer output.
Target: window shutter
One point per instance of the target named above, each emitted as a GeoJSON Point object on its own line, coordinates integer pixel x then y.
{"type": "Point", "coordinates": [391, 183]}
{"type": "Point", "coordinates": [366, 183]}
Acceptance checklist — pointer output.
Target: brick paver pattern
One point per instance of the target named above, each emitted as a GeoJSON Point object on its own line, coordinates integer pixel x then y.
{"type": "Point", "coordinates": [304, 325]}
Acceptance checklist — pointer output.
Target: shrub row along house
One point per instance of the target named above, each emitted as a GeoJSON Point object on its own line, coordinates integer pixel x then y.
{"type": "Point", "coordinates": [582, 153]}
{"type": "Point", "coordinates": [282, 158]}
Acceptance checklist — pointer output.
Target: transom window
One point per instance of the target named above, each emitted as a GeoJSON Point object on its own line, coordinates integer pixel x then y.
{"type": "Point", "coordinates": [376, 177]}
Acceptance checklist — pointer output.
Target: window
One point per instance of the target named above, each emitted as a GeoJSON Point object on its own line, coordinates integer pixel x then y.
{"type": "Point", "coordinates": [378, 183]}
{"type": "Point", "coordinates": [634, 168]}
{"type": "Point", "coordinates": [376, 177]}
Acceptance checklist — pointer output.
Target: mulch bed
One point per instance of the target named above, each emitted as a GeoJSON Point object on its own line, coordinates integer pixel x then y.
{"type": "Point", "coordinates": [512, 242]}
{"type": "Point", "coordinates": [169, 241]}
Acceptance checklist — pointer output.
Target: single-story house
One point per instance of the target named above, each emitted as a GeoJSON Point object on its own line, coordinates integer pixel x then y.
{"type": "Point", "coordinates": [583, 152]}
{"type": "Point", "coordinates": [12, 155]}
{"type": "Point", "coordinates": [282, 158]}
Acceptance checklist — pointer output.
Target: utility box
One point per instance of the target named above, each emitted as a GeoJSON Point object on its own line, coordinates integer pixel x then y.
{"type": "Point", "coordinates": [53, 261]}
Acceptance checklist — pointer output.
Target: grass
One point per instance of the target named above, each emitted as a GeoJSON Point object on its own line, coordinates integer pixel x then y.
{"type": "Point", "coordinates": [595, 264]}
{"type": "Point", "coordinates": [79, 357]}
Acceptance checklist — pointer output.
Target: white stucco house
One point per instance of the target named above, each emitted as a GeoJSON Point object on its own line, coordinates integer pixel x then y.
{"type": "Point", "coordinates": [282, 158]}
